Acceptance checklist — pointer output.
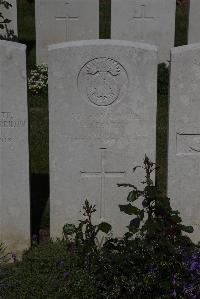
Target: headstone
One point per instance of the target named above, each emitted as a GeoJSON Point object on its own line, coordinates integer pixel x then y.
{"type": "Point", "coordinates": [194, 22]}
{"type": "Point", "coordinates": [150, 21]}
{"type": "Point", "coordinates": [60, 20]}
{"type": "Point", "coordinates": [102, 122]}
{"type": "Point", "coordinates": [14, 152]}
{"type": "Point", "coordinates": [184, 134]}
{"type": "Point", "coordinates": [10, 14]}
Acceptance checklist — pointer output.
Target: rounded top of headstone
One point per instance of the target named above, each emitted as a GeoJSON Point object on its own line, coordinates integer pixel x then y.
{"type": "Point", "coordinates": [103, 42]}
{"type": "Point", "coordinates": [185, 48]}
{"type": "Point", "coordinates": [5, 43]}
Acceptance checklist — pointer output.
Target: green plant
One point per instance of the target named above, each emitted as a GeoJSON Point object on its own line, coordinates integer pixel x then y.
{"type": "Point", "coordinates": [85, 238]}
{"type": "Point", "coordinates": [51, 271]}
{"type": "Point", "coordinates": [161, 220]}
{"type": "Point", "coordinates": [153, 260]}
{"type": "Point", "coordinates": [9, 33]}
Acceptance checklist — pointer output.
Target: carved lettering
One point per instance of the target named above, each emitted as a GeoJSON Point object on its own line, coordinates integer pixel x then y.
{"type": "Point", "coordinates": [9, 122]}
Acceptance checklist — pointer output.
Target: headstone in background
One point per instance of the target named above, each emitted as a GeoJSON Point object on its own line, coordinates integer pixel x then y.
{"type": "Point", "coordinates": [10, 14]}
{"type": "Point", "coordinates": [60, 20]}
{"type": "Point", "coordinates": [194, 22]}
{"type": "Point", "coordinates": [184, 134]}
{"type": "Point", "coordinates": [102, 105]}
{"type": "Point", "coordinates": [150, 21]}
{"type": "Point", "coordinates": [14, 152]}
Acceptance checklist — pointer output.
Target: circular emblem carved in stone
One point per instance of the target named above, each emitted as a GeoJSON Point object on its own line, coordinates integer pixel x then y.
{"type": "Point", "coordinates": [102, 81]}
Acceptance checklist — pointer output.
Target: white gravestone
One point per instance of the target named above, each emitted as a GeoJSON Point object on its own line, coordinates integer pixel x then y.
{"type": "Point", "coordinates": [61, 20]}
{"type": "Point", "coordinates": [10, 14]}
{"type": "Point", "coordinates": [14, 161]}
{"type": "Point", "coordinates": [194, 22]}
{"type": "Point", "coordinates": [184, 134]}
{"type": "Point", "coordinates": [102, 104]}
{"type": "Point", "coordinates": [149, 21]}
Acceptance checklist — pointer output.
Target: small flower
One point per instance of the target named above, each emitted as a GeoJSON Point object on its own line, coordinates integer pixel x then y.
{"type": "Point", "coordinates": [14, 257]}
{"type": "Point", "coordinates": [174, 293]}
{"type": "Point", "coordinates": [152, 271]}
{"type": "Point", "coordinates": [174, 280]}
{"type": "Point", "coordinates": [35, 238]}
{"type": "Point", "coordinates": [66, 274]}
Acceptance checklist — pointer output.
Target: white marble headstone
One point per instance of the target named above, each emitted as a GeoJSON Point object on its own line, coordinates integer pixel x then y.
{"type": "Point", "coordinates": [14, 152]}
{"type": "Point", "coordinates": [194, 22]}
{"type": "Point", "coordinates": [102, 105]}
{"type": "Point", "coordinates": [61, 20]}
{"type": "Point", "coordinates": [149, 21]}
{"type": "Point", "coordinates": [184, 134]}
{"type": "Point", "coordinates": [10, 14]}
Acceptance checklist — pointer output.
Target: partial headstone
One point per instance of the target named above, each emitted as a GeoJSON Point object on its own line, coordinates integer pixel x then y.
{"type": "Point", "coordinates": [184, 134]}
{"type": "Point", "coordinates": [102, 104]}
{"type": "Point", "coordinates": [60, 20]}
{"type": "Point", "coordinates": [14, 152]}
{"type": "Point", "coordinates": [10, 14]}
{"type": "Point", "coordinates": [194, 22]}
{"type": "Point", "coordinates": [149, 21]}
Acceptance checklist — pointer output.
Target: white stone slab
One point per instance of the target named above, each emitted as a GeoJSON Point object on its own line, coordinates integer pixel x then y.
{"type": "Point", "coordinates": [14, 152]}
{"type": "Point", "coordinates": [102, 105]}
{"type": "Point", "coordinates": [10, 14]}
{"type": "Point", "coordinates": [150, 21]}
{"type": "Point", "coordinates": [184, 134]}
{"type": "Point", "coordinates": [60, 20]}
{"type": "Point", "coordinates": [194, 22]}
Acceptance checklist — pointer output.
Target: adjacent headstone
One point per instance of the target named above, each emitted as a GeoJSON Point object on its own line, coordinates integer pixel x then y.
{"type": "Point", "coordinates": [150, 21]}
{"type": "Point", "coordinates": [184, 134]}
{"type": "Point", "coordinates": [60, 20]}
{"type": "Point", "coordinates": [10, 14]}
{"type": "Point", "coordinates": [194, 22]}
{"type": "Point", "coordinates": [14, 152]}
{"type": "Point", "coordinates": [102, 105]}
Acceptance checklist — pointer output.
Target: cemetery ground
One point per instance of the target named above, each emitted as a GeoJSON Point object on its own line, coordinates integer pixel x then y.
{"type": "Point", "coordinates": [76, 267]}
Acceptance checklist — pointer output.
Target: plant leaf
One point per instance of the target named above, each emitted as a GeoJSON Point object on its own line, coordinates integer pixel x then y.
{"type": "Point", "coordinates": [104, 227]}
{"type": "Point", "coordinates": [135, 223]}
{"type": "Point", "coordinates": [187, 229]}
{"type": "Point", "coordinates": [129, 209]}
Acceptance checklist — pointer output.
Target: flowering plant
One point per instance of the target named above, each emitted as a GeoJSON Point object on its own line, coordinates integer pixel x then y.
{"type": "Point", "coordinates": [38, 80]}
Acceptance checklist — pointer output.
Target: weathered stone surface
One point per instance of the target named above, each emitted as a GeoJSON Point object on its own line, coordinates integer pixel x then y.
{"type": "Point", "coordinates": [59, 21]}
{"type": "Point", "coordinates": [150, 21]}
{"type": "Point", "coordinates": [194, 22]}
{"type": "Point", "coordinates": [10, 14]}
{"type": "Point", "coordinates": [102, 104]}
{"type": "Point", "coordinates": [14, 153]}
{"type": "Point", "coordinates": [184, 134]}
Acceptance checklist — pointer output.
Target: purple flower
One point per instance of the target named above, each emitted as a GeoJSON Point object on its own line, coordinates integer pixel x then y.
{"type": "Point", "coordinates": [194, 266]}
{"type": "Point", "coordinates": [188, 288]}
{"type": "Point", "coordinates": [174, 280]}
{"type": "Point", "coordinates": [152, 270]}
{"type": "Point", "coordinates": [66, 274]}
{"type": "Point", "coordinates": [174, 293]}
{"type": "Point", "coordinates": [35, 238]}
{"type": "Point", "coordinates": [14, 257]}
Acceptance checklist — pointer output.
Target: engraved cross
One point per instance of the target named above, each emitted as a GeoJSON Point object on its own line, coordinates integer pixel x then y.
{"type": "Point", "coordinates": [67, 19]}
{"type": "Point", "coordinates": [102, 174]}
{"type": "Point", "coordinates": [142, 17]}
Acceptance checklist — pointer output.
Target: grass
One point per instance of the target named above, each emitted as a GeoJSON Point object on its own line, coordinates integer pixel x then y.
{"type": "Point", "coordinates": [38, 107]}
